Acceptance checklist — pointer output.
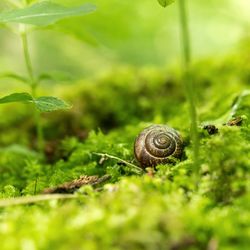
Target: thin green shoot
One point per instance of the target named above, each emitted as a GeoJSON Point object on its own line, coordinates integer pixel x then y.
{"type": "Point", "coordinates": [188, 81]}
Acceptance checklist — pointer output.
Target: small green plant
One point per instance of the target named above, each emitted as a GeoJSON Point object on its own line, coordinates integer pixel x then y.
{"type": "Point", "coordinates": [29, 17]}
{"type": "Point", "coordinates": [165, 3]}
{"type": "Point", "coordinates": [187, 76]}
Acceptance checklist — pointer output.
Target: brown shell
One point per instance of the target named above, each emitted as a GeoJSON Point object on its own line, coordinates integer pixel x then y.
{"type": "Point", "coordinates": [156, 145]}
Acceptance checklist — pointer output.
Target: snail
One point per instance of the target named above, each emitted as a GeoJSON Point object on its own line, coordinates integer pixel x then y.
{"type": "Point", "coordinates": [156, 145]}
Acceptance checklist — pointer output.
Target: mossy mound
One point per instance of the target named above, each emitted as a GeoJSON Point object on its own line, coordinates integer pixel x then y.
{"type": "Point", "coordinates": [172, 207]}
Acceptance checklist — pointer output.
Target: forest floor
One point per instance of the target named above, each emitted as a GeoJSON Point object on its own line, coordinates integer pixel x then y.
{"type": "Point", "coordinates": [117, 206]}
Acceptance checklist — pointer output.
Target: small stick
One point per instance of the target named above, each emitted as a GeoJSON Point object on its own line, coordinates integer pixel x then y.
{"type": "Point", "coordinates": [71, 186]}
{"type": "Point", "coordinates": [134, 167]}
{"type": "Point", "coordinates": [35, 198]}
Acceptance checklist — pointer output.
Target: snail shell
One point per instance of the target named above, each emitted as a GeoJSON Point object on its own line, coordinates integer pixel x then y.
{"type": "Point", "coordinates": [157, 144]}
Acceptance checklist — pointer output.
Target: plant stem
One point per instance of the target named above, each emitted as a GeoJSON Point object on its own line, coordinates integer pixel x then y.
{"type": "Point", "coordinates": [133, 167]}
{"type": "Point", "coordinates": [33, 199]}
{"type": "Point", "coordinates": [33, 84]}
{"type": "Point", "coordinates": [27, 59]}
{"type": "Point", "coordinates": [188, 81]}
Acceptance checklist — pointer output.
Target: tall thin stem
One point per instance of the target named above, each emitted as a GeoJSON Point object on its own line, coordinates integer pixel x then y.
{"type": "Point", "coordinates": [33, 84]}
{"type": "Point", "coordinates": [188, 81]}
{"type": "Point", "coordinates": [27, 58]}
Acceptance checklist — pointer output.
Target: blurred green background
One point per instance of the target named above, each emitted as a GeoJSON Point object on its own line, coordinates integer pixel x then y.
{"type": "Point", "coordinates": [130, 53]}
{"type": "Point", "coordinates": [139, 33]}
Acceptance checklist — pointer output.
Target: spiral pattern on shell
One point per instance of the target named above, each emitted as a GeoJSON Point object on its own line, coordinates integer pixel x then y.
{"type": "Point", "coordinates": [156, 144]}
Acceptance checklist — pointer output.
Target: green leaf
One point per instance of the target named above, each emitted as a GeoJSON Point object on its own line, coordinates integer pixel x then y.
{"type": "Point", "coordinates": [55, 77]}
{"type": "Point", "coordinates": [50, 103]}
{"type": "Point", "coordinates": [44, 13]}
{"type": "Point", "coordinates": [43, 104]}
{"type": "Point", "coordinates": [165, 3]}
{"type": "Point", "coordinates": [15, 76]}
{"type": "Point", "coordinates": [16, 97]}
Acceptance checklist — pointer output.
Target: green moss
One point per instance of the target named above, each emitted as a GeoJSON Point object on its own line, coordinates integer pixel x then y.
{"type": "Point", "coordinates": [167, 209]}
{"type": "Point", "coordinates": [136, 213]}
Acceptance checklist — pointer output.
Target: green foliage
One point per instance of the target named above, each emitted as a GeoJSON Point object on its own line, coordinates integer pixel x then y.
{"type": "Point", "coordinates": [44, 13]}
{"type": "Point", "coordinates": [159, 209]}
{"type": "Point", "coordinates": [144, 212]}
{"type": "Point", "coordinates": [152, 95]}
{"type": "Point", "coordinates": [50, 103]}
{"type": "Point", "coordinates": [16, 97]}
{"type": "Point", "coordinates": [144, 91]}
{"type": "Point", "coordinates": [164, 210]}
{"type": "Point", "coordinates": [40, 14]}
{"type": "Point", "coordinates": [241, 106]}
{"type": "Point", "coordinates": [9, 192]}
{"type": "Point", "coordinates": [228, 165]}
{"type": "Point", "coordinates": [15, 76]}
{"type": "Point", "coordinates": [165, 3]}
{"type": "Point", "coordinates": [43, 104]}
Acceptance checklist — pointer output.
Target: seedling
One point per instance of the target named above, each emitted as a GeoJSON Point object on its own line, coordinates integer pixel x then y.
{"type": "Point", "coordinates": [37, 15]}
{"type": "Point", "coordinates": [187, 76]}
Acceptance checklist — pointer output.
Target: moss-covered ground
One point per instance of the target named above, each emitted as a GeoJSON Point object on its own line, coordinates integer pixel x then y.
{"type": "Point", "coordinates": [169, 208]}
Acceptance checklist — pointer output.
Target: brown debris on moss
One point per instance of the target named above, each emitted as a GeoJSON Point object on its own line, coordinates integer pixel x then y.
{"type": "Point", "coordinates": [236, 121]}
{"type": "Point", "coordinates": [211, 129]}
{"type": "Point", "coordinates": [71, 186]}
